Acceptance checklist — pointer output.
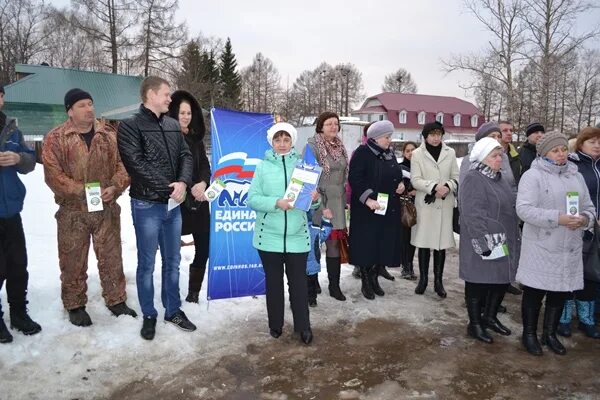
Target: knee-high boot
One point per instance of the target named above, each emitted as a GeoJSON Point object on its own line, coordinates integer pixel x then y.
{"type": "Point", "coordinates": [475, 328]}
{"type": "Point", "coordinates": [333, 272]}
{"type": "Point", "coordinates": [529, 339]}
{"type": "Point", "coordinates": [312, 289]}
{"type": "Point", "coordinates": [423, 256]}
{"type": "Point", "coordinates": [551, 321]}
{"type": "Point", "coordinates": [195, 283]}
{"type": "Point", "coordinates": [490, 315]}
{"type": "Point", "coordinates": [366, 288]}
{"type": "Point", "coordinates": [439, 259]}
{"type": "Point", "coordinates": [374, 279]}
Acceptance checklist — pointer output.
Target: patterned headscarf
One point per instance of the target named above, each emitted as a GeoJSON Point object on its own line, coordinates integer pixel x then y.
{"type": "Point", "coordinates": [336, 148]}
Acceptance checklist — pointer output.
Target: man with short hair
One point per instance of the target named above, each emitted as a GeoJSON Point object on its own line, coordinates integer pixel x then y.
{"type": "Point", "coordinates": [15, 158]}
{"type": "Point", "coordinates": [527, 152]}
{"type": "Point", "coordinates": [160, 164]}
{"type": "Point", "coordinates": [506, 128]}
{"type": "Point", "coordinates": [83, 168]}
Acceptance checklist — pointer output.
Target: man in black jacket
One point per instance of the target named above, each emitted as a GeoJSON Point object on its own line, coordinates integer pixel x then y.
{"type": "Point", "coordinates": [159, 162]}
{"type": "Point", "coordinates": [527, 152]}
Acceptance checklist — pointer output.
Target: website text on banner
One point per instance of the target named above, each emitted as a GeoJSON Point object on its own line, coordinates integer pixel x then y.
{"type": "Point", "coordinates": [238, 145]}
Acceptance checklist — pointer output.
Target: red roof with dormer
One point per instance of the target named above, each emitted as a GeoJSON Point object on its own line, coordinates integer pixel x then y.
{"type": "Point", "coordinates": [393, 104]}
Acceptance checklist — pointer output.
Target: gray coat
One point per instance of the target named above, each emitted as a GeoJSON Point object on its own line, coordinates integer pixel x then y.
{"type": "Point", "coordinates": [506, 171]}
{"type": "Point", "coordinates": [551, 255]}
{"type": "Point", "coordinates": [332, 188]}
{"type": "Point", "coordinates": [487, 217]}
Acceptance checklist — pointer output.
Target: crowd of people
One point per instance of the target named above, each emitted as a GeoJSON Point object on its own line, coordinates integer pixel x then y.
{"type": "Point", "coordinates": [526, 216]}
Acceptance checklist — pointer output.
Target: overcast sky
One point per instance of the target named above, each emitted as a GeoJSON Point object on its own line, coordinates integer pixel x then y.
{"type": "Point", "coordinates": [376, 36]}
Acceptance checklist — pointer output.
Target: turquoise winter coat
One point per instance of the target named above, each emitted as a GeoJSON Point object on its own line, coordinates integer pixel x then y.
{"type": "Point", "coordinates": [276, 230]}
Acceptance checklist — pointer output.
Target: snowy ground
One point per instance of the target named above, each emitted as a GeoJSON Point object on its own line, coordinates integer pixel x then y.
{"type": "Point", "coordinates": [398, 346]}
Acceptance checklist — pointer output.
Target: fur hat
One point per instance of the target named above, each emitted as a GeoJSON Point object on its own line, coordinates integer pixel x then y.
{"type": "Point", "coordinates": [74, 95]}
{"type": "Point", "coordinates": [534, 127]}
{"type": "Point", "coordinates": [379, 129]}
{"type": "Point", "coordinates": [549, 141]}
{"type": "Point", "coordinates": [285, 127]}
{"type": "Point", "coordinates": [483, 148]}
{"type": "Point", "coordinates": [485, 130]}
{"type": "Point", "coordinates": [432, 126]}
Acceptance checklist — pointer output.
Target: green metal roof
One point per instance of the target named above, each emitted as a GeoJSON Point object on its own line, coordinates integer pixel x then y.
{"type": "Point", "coordinates": [48, 85]}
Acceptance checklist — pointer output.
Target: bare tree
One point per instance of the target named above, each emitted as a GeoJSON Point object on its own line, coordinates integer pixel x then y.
{"type": "Point", "coordinates": [21, 39]}
{"type": "Point", "coordinates": [160, 39]}
{"type": "Point", "coordinates": [400, 81]}
{"type": "Point", "coordinates": [502, 19]}
{"type": "Point", "coordinates": [585, 86]}
{"type": "Point", "coordinates": [260, 85]}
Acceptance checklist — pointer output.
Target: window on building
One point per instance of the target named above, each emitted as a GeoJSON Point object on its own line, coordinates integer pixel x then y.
{"type": "Point", "coordinates": [440, 117]}
{"type": "Point", "coordinates": [457, 120]}
{"type": "Point", "coordinates": [474, 121]}
{"type": "Point", "coordinates": [421, 118]}
{"type": "Point", "coordinates": [402, 117]}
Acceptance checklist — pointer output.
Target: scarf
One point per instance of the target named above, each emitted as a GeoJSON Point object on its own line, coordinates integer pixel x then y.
{"type": "Point", "coordinates": [434, 150]}
{"type": "Point", "coordinates": [378, 151]}
{"type": "Point", "coordinates": [335, 148]}
{"type": "Point", "coordinates": [484, 169]}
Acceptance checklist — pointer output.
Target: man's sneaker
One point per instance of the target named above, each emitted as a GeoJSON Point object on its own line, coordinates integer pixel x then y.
{"type": "Point", "coordinates": [148, 328]}
{"type": "Point", "coordinates": [121, 309]}
{"type": "Point", "coordinates": [79, 317]}
{"type": "Point", "coordinates": [5, 336]}
{"type": "Point", "coordinates": [20, 320]}
{"type": "Point", "coordinates": [180, 320]}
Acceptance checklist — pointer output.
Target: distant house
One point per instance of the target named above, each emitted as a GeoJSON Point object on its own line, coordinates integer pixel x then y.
{"type": "Point", "coordinates": [36, 99]}
{"type": "Point", "coordinates": [409, 112]}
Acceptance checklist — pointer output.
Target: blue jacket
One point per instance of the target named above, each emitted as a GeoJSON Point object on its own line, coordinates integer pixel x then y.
{"type": "Point", "coordinates": [12, 190]}
{"type": "Point", "coordinates": [590, 169]}
{"type": "Point", "coordinates": [318, 234]}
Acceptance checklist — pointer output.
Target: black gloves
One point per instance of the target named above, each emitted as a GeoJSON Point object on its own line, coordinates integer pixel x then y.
{"type": "Point", "coordinates": [429, 198]}
{"type": "Point", "coordinates": [486, 253]}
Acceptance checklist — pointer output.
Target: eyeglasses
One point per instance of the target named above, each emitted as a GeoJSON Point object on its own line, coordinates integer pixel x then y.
{"type": "Point", "coordinates": [331, 124]}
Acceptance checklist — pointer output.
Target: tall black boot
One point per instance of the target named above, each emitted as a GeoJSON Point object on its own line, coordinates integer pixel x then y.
{"type": "Point", "coordinates": [312, 290]}
{"type": "Point", "coordinates": [551, 321]}
{"type": "Point", "coordinates": [529, 339]}
{"type": "Point", "coordinates": [439, 259]}
{"type": "Point", "coordinates": [475, 328]}
{"type": "Point", "coordinates": [5, 336]}
{"type": "Point", "coordinates": [333, 272]}
{"type": "Point", "coordinates": [374, 279]}
{"type": "Point", "coordinates": [384, 272]}
{"type": "Point", "coordinates": [490, 315]}
{"type": "Point", "coordinates": [366, 288]}
{"type": "Point", "coordinates": [423, 256]}
{"type": "Point", "coordinates": [407, 263]}
{"type": "Point", "coordinates": [195, 283]}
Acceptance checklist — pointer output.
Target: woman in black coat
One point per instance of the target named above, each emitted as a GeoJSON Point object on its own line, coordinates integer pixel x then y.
{"type": "Point", "coordinates": [194, 211]}
{"type": "Point", "coordinates": [375, 239]}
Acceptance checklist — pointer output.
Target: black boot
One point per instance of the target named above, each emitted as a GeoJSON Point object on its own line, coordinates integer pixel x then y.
{"type": "Point", "coordinates": [407, 263]}
{"type": "Point", "coordinates": [384, 273]}
{"type": "Point", "coordinates": [529, 339]}
{"type": "Point", "coordinates": [439, 259]}
{"type": "Point", "coordinates": [333, 272]}
{"type": "Point", "coordinates": [423, 257]}
{"type": "Point", "coordinates": [20, 320]}
{"type": "Point", "coordinates": [195, 283]}
{"type": "Point", "coordinates": [475, 329]}
{"type": "Point", "coordinates": [122, 309]}
{"type": "Point", "coordinates": [5, 336]}
{"type": "Point", "coordinates": [374, 279]}
{"type": "Point", "coordinates": [312, 290]}
{"type": "Point", "coordinates": [80, 317]}
{"type": "Point", "coordinates": [306, 336]}
{"type": "Point", "coordinates": [366, 288]}
{"type": "Point", "coordinates": [551, 320]}
{"type": "Point", "coordinates": [490, 315]}
{"type": "Point", "coordinates": [356, 272]}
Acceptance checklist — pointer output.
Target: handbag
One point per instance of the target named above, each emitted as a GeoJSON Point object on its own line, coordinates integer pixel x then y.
{"type": "Point", "coordinates": [591, 256]}
{"type": "Point", "coordinates": [344, 250]}
{"type": "Point", "coordinates": [408, 216]}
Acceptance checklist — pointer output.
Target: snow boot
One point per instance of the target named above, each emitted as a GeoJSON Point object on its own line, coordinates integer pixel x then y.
{"type": "Point", "coordinates": [551, 321]}
{"type": "Point", "coordinates": [529, 339]}
{"type": "Point", "coordinates": [20, 320]}
{"type": "Point", "coordinates": [333, 272]}
{"type": "Point", "coordinates": [366, 288]}
{"type": "Point", "coordinates": [79, 317]}
{"type": "Point", "coordinates": [439, 259]}
{"type": "Point", "coordinates": [373, 278]}
{"type": "Point", "coordinates": [122, 309]}
{"type": "Point", "coordinates": [195, 283]}
{"type": "Point", "coordinates": [564, 326]}
{"type": "Point", "coordinates": [490, 314]}
{"type": "Point", "coordinates": [585, 310]}
{"type": "Point", "coordinates": [423, 256]}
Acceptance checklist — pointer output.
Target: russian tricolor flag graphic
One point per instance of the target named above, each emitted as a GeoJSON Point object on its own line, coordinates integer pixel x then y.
{"type": "Point", "coordinates": [237, 163]}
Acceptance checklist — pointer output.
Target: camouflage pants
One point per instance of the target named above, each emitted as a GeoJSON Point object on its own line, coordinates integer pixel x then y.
{"type": "Point", "coordinates": [74, 231]}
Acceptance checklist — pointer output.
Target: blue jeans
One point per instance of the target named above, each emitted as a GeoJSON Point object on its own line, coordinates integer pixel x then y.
{"type": "Point", "coordinates": [155, 227]}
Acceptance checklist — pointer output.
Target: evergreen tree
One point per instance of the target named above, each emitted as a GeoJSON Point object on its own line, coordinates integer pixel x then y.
{"type": "Point", "coordinates": [230, 80]}
{"type": "Point", "coordinates": [209, 95]}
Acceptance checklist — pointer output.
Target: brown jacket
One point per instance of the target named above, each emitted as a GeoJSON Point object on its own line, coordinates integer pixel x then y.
{"type": "Point", "coordinates": [68, 164]}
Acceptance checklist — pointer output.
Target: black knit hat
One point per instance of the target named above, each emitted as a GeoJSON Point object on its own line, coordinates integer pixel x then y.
{"type": "Point", "coordinates": [74, 95]}
{"type": "Point", "coordinates": [534, 127]}
{"type": "Point", "coordinates": [432, 126]}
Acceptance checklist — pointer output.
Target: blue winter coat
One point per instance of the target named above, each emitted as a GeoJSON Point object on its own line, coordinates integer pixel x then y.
{"type": "Point", "coordinates": [318, 234]}
{"type": "Point", "coordinates": [12, 190]}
